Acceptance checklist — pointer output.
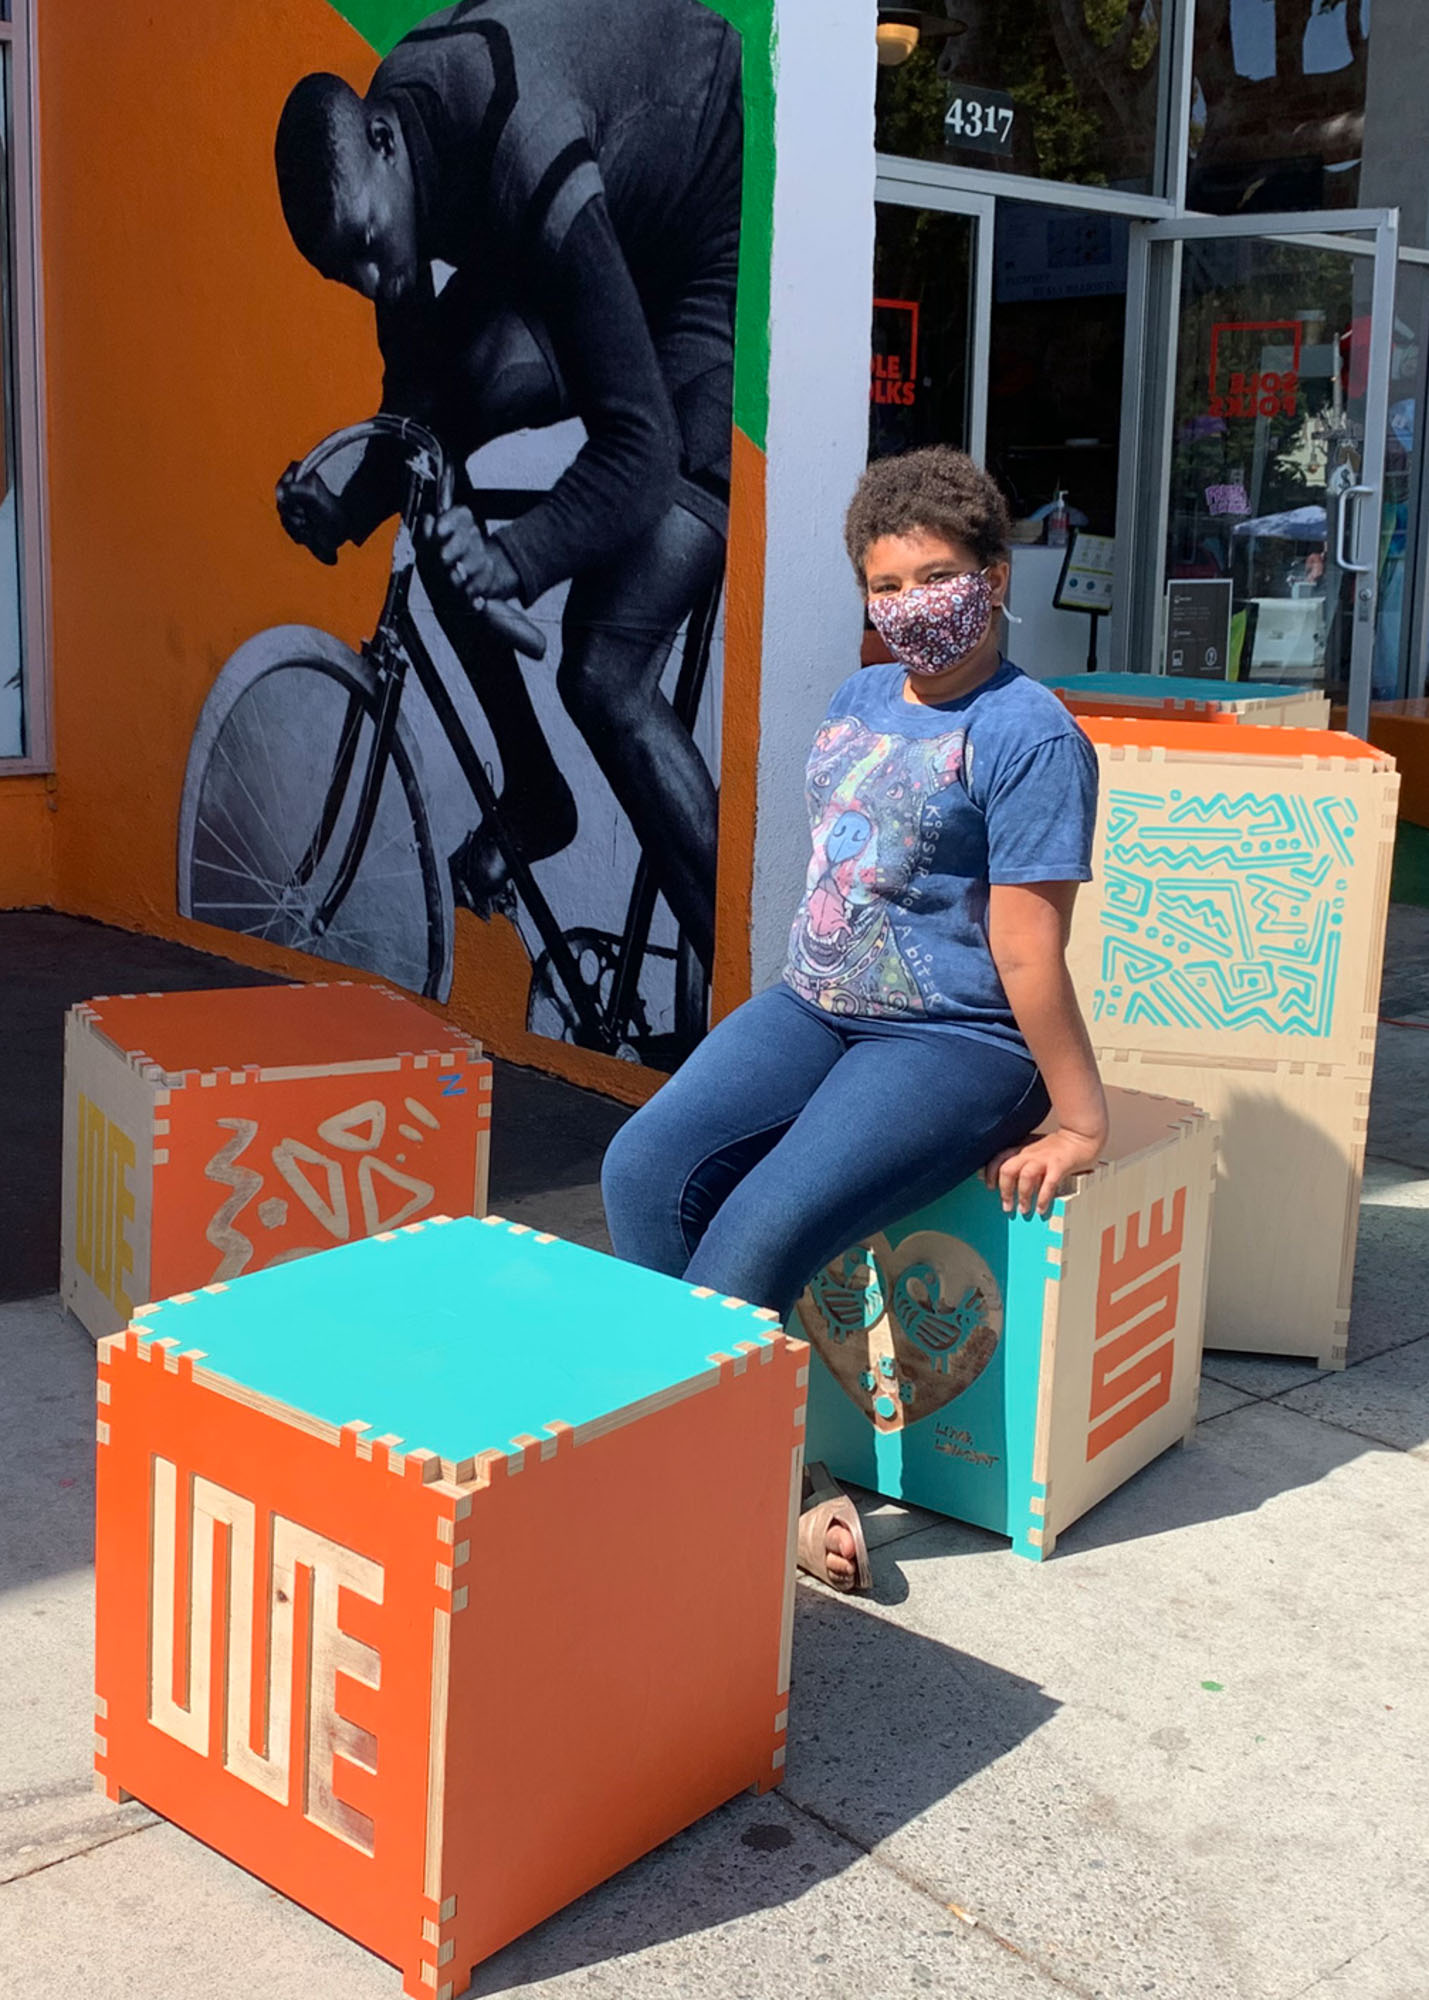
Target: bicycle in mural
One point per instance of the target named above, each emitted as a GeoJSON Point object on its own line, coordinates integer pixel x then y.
{"type": "Point", "coordinates": [306, 819]}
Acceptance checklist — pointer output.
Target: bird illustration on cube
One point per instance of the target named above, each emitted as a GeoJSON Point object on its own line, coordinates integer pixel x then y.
{"type": "Point", "coordinates": [938, 1329]}
{"type": "Point", "coordinates": [850, 1293]}
{"type": "Point", "coordinates": [904, 1331]}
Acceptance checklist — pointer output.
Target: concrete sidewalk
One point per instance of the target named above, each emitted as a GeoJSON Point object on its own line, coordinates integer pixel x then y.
{"type": "Point", "coordinates": [1187, 1757]}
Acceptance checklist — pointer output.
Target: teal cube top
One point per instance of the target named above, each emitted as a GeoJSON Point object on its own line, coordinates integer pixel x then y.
{"type": "Point", "coordinates": [1172, 687]}
{"type": "Point", "coordinates": [457, 1336]}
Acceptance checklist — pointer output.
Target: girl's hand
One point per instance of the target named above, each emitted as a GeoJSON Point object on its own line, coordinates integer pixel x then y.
{"type": "Point", "coordinates": [1029, 1175]}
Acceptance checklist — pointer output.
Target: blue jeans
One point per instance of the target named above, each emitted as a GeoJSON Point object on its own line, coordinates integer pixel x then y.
{"type": "Point", "coordinates": [791, 1134]}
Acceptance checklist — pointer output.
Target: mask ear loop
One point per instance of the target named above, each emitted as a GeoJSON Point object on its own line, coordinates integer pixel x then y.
{"type": "Point", "coordinates": [1011, 616]}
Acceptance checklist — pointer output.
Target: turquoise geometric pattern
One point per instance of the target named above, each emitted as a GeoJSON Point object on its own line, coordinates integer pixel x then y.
{"type": "Point", "coordinates": [1224, 910]}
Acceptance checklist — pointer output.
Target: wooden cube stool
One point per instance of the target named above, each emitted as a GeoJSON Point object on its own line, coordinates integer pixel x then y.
{"type": "Point", "coordinates": [1402, 728]}
{"type": "Point", "coordinates": [1013, 1370]}
{"type": "Point", "coordinates": [1177, 698]}
{"type": "Point", "coordinates": [1228, 949]}
{"type": "Point", "coordinates": [211, 1133]}
{"type": "Point", "coordinates": [435, 1684]}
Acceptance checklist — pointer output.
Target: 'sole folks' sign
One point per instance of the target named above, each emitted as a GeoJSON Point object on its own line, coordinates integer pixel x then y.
{"type": "Point", "coordinates": [893, 367]}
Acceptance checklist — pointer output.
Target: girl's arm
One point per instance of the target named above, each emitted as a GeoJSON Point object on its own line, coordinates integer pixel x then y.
{"type": "Point", "coordinates": [1027, 928]}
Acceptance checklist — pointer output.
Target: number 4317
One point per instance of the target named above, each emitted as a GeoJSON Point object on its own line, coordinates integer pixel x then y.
{"type": "Point", "coordinates": [970, 119]}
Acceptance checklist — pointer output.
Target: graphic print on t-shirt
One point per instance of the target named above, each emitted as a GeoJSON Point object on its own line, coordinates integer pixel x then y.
{"type": "Point", "coordinates": [870, 799]}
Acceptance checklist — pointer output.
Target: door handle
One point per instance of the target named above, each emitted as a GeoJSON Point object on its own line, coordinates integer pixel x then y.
{"type": "Point", "coordinates": [1346, 494]}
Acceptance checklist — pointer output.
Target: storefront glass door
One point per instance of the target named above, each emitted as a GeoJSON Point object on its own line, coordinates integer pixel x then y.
{"type": "Point", "coordinates": [1276, 529]}
{"type": "Point", "coordinates": [1400, 638]}
{"type": "Point", "coordinates": [932, 287]}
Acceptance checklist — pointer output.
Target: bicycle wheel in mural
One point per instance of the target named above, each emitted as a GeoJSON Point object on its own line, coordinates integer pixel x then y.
{"type": "Point", "coordinates": [281, 747]}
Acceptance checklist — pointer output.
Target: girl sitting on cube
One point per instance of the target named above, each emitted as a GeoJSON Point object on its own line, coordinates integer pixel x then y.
{"type": "Point", "coordinates": [925, 1023]}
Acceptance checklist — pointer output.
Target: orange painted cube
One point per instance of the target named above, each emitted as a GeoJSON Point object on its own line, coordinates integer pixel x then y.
{"type": "Point", "coordinates": [394, 1682]}
{"type": "Point", "coordinates": [1402, 728]}
{"type": "Point", "coordinates": [207, 1134]}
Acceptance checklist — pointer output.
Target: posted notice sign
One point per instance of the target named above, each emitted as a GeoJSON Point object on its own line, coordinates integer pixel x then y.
{"type": "Point", "coordinates": [1086, 580]}
{"type": "Point", "coordinates": [1198, 626]}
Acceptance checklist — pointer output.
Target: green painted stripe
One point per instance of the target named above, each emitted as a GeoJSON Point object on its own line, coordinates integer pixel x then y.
{"type": "Point", "coordinates": [755, 22]}
{"type": "Point", "coordinates": [383, 22]}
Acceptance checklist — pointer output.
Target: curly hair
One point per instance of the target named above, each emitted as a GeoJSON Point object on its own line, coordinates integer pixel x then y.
{"type": "Point", "coordinates": [936, 490]}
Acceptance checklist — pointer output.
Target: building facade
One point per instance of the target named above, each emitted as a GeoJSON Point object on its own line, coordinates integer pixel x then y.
{"type": "Point", "coordinates": [683, 266]}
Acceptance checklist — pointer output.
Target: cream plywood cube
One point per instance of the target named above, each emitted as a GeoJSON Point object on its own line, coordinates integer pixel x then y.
{"type": "Point", "coordinates": [1230, 949]}
{"type": "Point", "coordinates": [1263, 704]}
{"type": "Point", "coordinates": [1013, 1371]}
{"type": "Point", "coordinates": [1286, 1215]}
{"type": "Point", "coordinates": [211, 1133]}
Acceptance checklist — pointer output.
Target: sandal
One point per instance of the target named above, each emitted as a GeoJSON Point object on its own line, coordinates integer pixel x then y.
{"type": "Point", "coordinates": [824, 1501]}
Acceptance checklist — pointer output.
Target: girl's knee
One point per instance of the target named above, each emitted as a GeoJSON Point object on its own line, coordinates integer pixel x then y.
{"type": "Point", "coordinates": [643, 1156]}
{"type": "Point", "coordinates": [618, 1168]}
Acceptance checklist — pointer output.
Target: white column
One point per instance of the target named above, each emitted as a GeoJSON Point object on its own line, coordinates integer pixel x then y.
{"type": "Point", "coordinates": [820, 312]}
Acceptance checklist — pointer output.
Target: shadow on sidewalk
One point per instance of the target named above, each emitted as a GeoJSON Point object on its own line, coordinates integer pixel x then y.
{"type": "Point", "coordinates": [932, 1717]}
{"type": "Point", "coordinates": [548, 1136]}
{"type": "Point", "coordinates": [1237, 1464]}
{"type": "Point", "coordinates": [47, 1415]}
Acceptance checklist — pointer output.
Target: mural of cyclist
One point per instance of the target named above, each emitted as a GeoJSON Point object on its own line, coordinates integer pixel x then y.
{"type": "Point", "coordinates": [573, 174]}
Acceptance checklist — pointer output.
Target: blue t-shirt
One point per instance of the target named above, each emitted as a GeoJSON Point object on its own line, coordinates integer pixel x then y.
{"type": "Point", "coordinates": [915, 810]}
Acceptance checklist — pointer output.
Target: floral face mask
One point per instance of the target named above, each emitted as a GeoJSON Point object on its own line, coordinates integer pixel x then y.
{"type": "Point", "coordinates": [934, 626]}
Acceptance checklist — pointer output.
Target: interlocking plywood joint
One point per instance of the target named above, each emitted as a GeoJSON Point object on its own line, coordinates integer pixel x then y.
{"type": "Point", "coordinates": [1230, 950]}
{"type": "Point", "coordinates": [1012, 1371]}
{"type": "Point", "coordinates": [306, 1690]}
{"type": "Point", "coordinates": [344, 1140]}
{"type": "Point", "coordinates": [1256, 703]}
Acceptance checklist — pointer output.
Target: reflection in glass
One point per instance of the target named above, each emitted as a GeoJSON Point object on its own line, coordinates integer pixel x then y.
{"type": "Point", "coordinates": [1054, 409]}
{"type": "Point", "coordinates": [1268, 439]}
{"type": "Point", "coordinates": [12, 692]}
{"type": "Point", "coordinates": [1394, 672]}
{"type": "Point", "coordinates": [1059, 89]}
{"type": "Point", "coordinates": [1297, 105]}
{"type": "Point", "coordinates": [1058, 331]}
{"type": "Point", "coordinates": [922, 329]}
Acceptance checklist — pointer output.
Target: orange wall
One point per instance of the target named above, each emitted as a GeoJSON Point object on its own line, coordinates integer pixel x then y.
{"type": "Point", "coordinates": [191, 354]}
{"type": "Point", "coordinates": [27, 842]}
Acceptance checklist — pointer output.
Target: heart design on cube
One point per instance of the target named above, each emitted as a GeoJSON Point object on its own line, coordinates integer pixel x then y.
{"type": "Point", "coordinates": [904, 1332]}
